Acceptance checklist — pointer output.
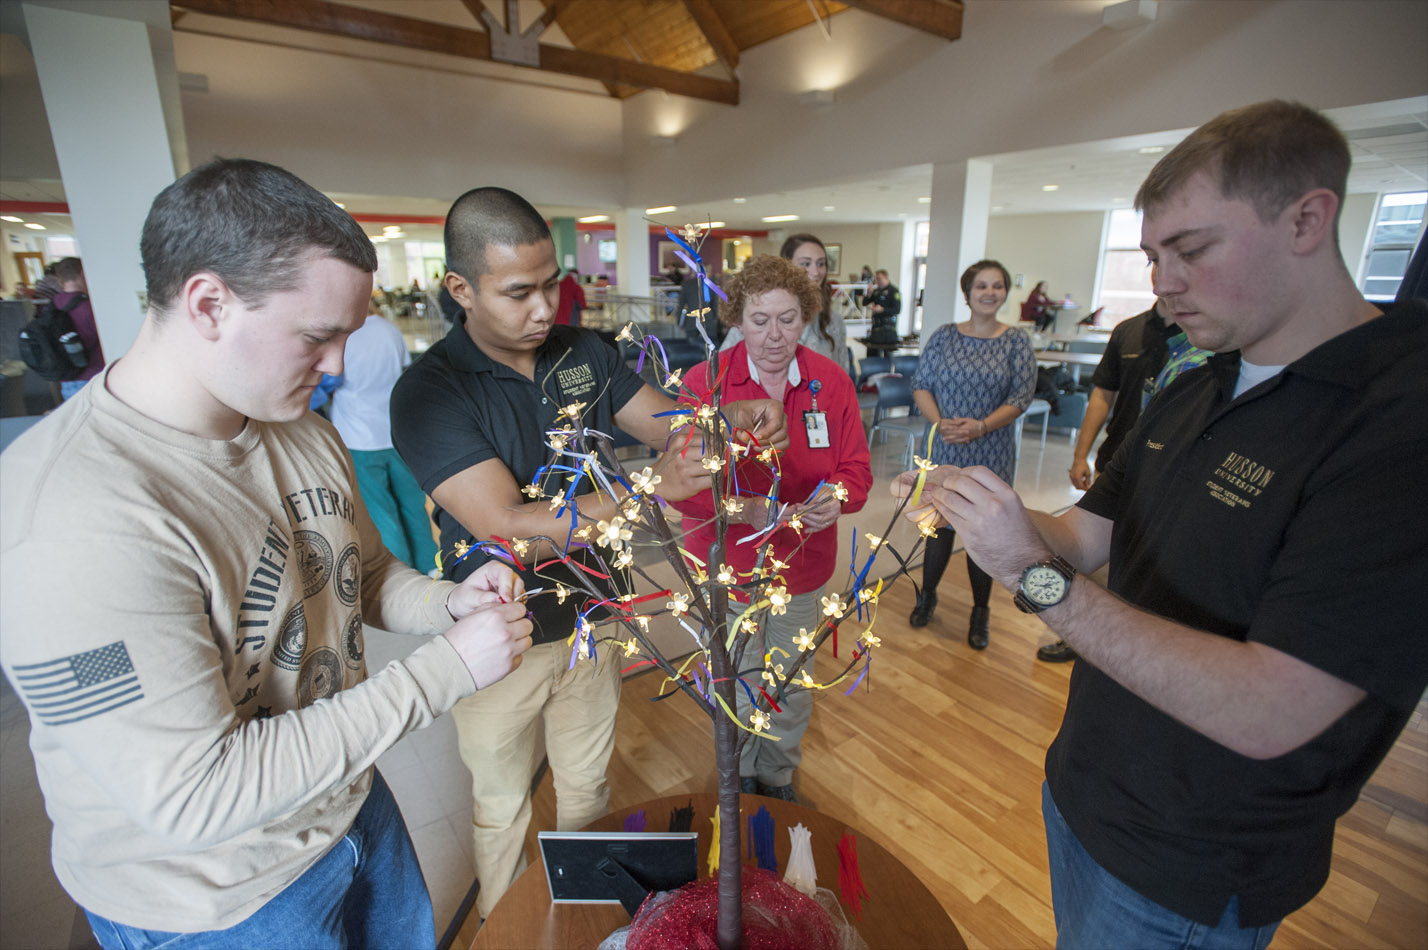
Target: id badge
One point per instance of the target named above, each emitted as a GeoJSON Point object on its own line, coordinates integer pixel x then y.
{"type": "Point", "coordinates": [816, 424]}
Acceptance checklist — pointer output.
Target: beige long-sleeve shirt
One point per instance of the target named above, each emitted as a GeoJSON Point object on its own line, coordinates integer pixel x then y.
{"type": "Point", "coordinates": [183, 619]}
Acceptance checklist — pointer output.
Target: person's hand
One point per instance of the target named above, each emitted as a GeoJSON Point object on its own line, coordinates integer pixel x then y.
{"type": "Point", "coordinates": [764, 418]}
{"type": "Point", "coordinates": [985, 511]}
{"type": "Point", "coordinates": [754, 513]}
{"type": "Point", "coordinates": [947, 429]}
{"type": "Point", "coordinates": [681, 470]}
{"type": "Point", "coordinates": [492, 583]}
{"type": "Point", "coordinates": [1080, 474]}
{"type": "Point", "coordinates": [490, 641]}
{"type": "Point", "coordinates": [962, 430]}
{"type": "Point", "coordinates": [820, 516]}
{"type": "Point", "coordinates": [875, 307]}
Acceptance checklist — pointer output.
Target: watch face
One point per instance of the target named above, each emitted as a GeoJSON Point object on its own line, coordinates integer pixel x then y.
{"type": "Point", "coordinates": [1044, 585]}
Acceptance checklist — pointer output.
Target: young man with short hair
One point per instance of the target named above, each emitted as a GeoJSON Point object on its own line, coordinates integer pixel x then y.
{"type": "Point", "coordinates": [470, 419]}
{"type": "Point", "coordinates": [1261, 645]}
{"type": "Point", "coordinates": [187, 567]}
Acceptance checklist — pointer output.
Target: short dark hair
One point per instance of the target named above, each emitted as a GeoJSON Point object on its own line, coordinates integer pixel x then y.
{"type": "Point", "coordinates": [68, 269]}
{"type": "Point", "coordinates": [486, 216]}
{"type": "Point", "coordinates": [970, 274]}
{"type": "Point", "coordinates": [763, 274]}
{"type": "Point", "coordinates": [1268, 154]}
{"type": "Point", "coordinates": [250, 223]}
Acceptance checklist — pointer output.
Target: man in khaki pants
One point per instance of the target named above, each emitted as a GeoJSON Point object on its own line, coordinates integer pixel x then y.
{"type": "Point", "coordinates": [470, 420]}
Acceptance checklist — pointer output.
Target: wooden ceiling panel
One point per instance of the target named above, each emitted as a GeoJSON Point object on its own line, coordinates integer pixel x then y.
{"type": "Point", "coordinates": [753, 23]}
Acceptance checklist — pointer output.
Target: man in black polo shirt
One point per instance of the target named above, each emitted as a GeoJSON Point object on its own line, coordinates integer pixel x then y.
{"type": "Point", "coordinates": [1123, 383]}
{"type": "Point", "coordinates": [470, 420]}
{"type": "Point", "coordinates": [1263, 645]}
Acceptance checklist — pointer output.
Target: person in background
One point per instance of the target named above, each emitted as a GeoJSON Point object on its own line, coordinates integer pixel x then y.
{"type": "Point", "coordinates": [824, 334]}
{"type": "Point", "coordinates": [572, 300]}
{"type": "Point", "coordinates": [47, 286]}
{"type": "Point", "coordinates": [1039, 308]}
{"type": "Point", "coordinates": [884, 302]}
{"type": "Point", "coordinates": [73, 296]}
{"type": "Point", "coordinates": [202, 718]}
{"type": "Point", "coordinates": [972, 382]}
{"type": "Point", "coordinates": [361, 412]}
{"type": "Point", "coordinates": [1261, 644]}
{"type": "Point", "coordinates": [772, 302]}
{"type": "Point", "coordinates": [1124, 381]}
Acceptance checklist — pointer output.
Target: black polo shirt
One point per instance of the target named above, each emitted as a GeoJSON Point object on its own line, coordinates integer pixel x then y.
{"type": "Point", "coordinates": [1135, 355]}
{"type": "Point", "coordinates": [456, 407]}
{"type": "Point", "coordinates": [1292, 516]}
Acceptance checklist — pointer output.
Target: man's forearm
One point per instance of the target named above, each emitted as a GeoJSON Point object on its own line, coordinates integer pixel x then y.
{"type": "Point", "coordinates": [1251, 698]}
{"type": "Point", "coordinates": [1098, 407]}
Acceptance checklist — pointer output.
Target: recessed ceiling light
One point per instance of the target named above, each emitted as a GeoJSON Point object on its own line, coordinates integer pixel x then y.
{"type": "Point", "coordinates": [829, 208]}
{"type": "Point", "coordinates": [665, 209]}
{"type": "Point", "coordinates": [776, 218]}
{"type": "Point", "coordinates": [376, 238]}
{"type": "Point", "coordinates": [1151, 149]}
{"type": "Point", "coordinates": [1050, 187]}
{"type": "Point", "coordinates": [392, 227]}
{"type": "Point", "coordinates": [999, 207]}
{"type": "Point", "coordinates": [710, 225]}
{"type": "Point", "coordinates": [1120, 200]}
{"type": "Point", "coordinates": [925, 200]}
{"type": "Point", "coordinates": [12, 219]}
{"type": "Point", "coordinates": [593, 218]}
{"type": "Point", "coordinates": [902, 214]}
{"type": "Point", "coordinates": [33, 226]}
{"type": "Point", "coordinates": [739, 201]}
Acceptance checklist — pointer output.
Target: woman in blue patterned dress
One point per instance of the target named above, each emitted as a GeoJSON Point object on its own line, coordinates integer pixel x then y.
{"type": "Point", "coordinates": [972, 381]}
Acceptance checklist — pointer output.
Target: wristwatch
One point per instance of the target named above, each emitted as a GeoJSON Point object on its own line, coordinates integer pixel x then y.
{"type": "Point", "coordinates": [1044, 584]}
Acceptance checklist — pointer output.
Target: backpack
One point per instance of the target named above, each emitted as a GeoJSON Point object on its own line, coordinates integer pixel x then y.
{"type": "Point", "coordinates": [50, 345]}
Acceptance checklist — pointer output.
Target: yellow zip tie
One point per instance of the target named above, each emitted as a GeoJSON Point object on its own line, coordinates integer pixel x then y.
{"type": "Point", "coordinates": [734, 627]}
{"type": "Point", "coordinates": [922, 472]}
{"type": "Point", "coordinates": [714, 845]}
{"type": "Point", "coordinates": [730, 713]}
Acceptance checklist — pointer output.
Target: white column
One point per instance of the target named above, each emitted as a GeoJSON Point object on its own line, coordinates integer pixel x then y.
{"type": "Point", "coordinates": [99, 82]}
{"type": "Point", "coordinates": [957, 237]}
{"type": "Point", "coordinates": [632, 269]}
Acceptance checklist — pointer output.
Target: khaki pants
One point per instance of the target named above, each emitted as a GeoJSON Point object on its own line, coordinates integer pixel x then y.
{"type": "Point", "coordinates": [772, 763]}
{"type": "Point", "coordinates": [497, 729]}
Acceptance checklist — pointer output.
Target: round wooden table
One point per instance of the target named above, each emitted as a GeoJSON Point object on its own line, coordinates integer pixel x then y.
{"type": "Point", "coordinates": [899, 911]}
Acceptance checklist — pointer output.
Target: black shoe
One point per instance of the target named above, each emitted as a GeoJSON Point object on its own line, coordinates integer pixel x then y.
{"type": "Point", "coordinates": [749, 785]}
{"type": "Point", "coordinates": [1057, 652]}
{"type": "Point", "coordinates": [781, 792]}
{"type": "Point", "coordinates": [979, 631]}
{"type": "Point", "coordinates": [922, 613]}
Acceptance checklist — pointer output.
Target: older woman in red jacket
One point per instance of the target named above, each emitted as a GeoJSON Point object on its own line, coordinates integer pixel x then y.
{"type": "Point", "coordinates": [771, 301]}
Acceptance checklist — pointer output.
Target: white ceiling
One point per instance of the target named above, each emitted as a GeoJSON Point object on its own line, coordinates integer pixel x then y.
{"type": "Point", "coordinates": [1390, 151]}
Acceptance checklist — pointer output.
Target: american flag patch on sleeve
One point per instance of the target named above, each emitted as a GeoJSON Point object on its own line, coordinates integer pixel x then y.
{"type": "Point", "coordinates": [80, 686]}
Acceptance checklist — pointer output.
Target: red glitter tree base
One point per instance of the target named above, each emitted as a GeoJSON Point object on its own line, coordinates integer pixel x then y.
{"type": "Point", "coordinates": [776, 917]}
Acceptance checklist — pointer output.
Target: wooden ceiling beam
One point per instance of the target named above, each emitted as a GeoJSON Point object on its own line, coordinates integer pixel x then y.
{"type": "Point", "coordinates": [715, 32]}
{"type": "Point", "coordinates": [939, 17]}
{"type": "Point", "coordinates": [336, 19]}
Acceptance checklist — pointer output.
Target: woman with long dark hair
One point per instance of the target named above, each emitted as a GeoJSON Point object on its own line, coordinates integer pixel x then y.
{"type": "Point", "coordinates": [826, 334]}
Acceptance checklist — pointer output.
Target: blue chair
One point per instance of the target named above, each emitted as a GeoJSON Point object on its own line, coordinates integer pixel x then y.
{"type": "Point", "coordinates": [872, 366]}
{"type": "Point", "coordinates": [895, 392]}
{"type": "Point", "coordinates": [906, 365]}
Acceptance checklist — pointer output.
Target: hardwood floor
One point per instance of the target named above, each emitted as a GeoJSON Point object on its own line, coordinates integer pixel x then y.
{"type": "Point", "coordinates": [939, 757]}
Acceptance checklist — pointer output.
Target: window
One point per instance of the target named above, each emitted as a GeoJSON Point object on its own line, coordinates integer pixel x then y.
{"type": "Point", "coordinates": [1124, 280]}
{"type": "Point", "coordinates": [1390, 244]}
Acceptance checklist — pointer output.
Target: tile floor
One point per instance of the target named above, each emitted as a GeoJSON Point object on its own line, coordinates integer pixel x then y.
{"type": "Point", "coordinates": [423, 769]}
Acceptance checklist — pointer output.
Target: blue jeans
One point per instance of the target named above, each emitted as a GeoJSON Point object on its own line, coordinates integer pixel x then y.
{"type": "Point", "coordinates": [1095, 910]}
{"type": "Point", "coordinates": [366, 891]}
